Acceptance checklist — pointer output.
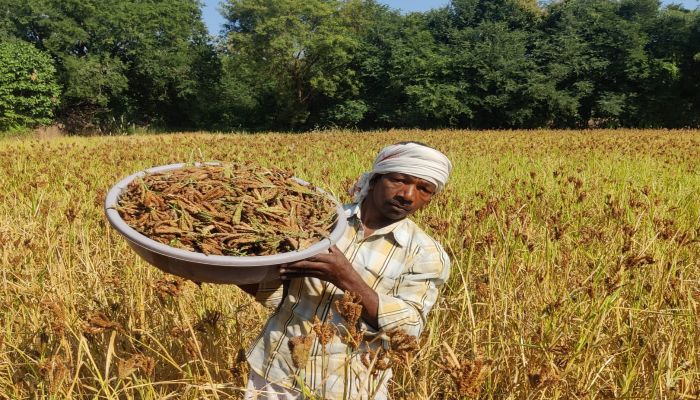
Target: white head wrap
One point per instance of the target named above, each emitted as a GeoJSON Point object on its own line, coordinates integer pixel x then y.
{"type": "Point", "coordinates": [411, 159]}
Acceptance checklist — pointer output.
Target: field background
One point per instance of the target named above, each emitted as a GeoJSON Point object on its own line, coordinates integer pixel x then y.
{"type": "Point", "coordinates": [575, 267]}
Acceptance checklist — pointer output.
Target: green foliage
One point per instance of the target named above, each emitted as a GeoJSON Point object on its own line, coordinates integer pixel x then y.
{"type": "Point", "coordinates": [596, 59]}
{"type": "Point", "coordinates": [298, 64]}
{"type": "Point", "coordinates": [494, 63]}
{"type": "Point", "coordinates": [28, 89]}
{"type": "Point", "coordinates": [346, 114]}
{"type": "Point", "coordinates": [229, 102]}
{"type": "Point", "coordinates": [451, 67]}
{"type": "Point", "coordinates": [93, 79]}
{"type": "Point", "coordinates": [130, 60]}
{"type": "Point", "coordinates": [300, 50]}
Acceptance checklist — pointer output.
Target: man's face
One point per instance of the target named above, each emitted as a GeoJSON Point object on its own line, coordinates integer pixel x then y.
{"type": "Point", "coordinates": [397, 195]}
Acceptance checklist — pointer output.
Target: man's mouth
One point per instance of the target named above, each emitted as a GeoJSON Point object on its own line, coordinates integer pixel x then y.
{"type": "Point", "coordinates": [398, 207]}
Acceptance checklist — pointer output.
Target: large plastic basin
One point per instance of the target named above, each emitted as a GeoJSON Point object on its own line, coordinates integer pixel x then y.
{"type": "Point", "coordinates": [210, 268]}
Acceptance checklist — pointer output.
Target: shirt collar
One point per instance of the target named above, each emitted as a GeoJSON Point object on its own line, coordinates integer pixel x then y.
{"type": "Point", "coordinates": [397, 230]}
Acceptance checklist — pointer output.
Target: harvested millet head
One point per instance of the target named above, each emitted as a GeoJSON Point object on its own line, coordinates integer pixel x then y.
{"type": "Point", "coordinates": [325, 331]}
{"type": "Point", "coordinates": [300, 347]}
{"type": "Point", "coordinates": [351, 310]}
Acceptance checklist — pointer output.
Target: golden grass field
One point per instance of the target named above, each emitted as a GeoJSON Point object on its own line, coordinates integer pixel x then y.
{"type": "Point", "coordinates": [575, 268]}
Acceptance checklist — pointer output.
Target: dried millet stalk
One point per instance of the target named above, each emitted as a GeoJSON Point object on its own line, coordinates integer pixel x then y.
{"type": "Point", "coordinates": [376, 360]}
{"type": "Point", "coordinates": [56, 315]}
{"type": "Point", "coordinates": [403, 346]}
{"type": "Point", "coordinates": [98, 322]}
{"type": "Point", "coordinates": [230, 209]}
{"type": "Point", "coordinates": [351, 310]}
{"type": "Point", "coordinates": [470, 376]}
{"type": "Point", "coordinates": [169, 286]}
{"type": "Point", "coordinates": [467, 375]}
{"type": "Point", "coordinates": [402, 349]}
{"type": "Point", "coordinates": [137, 362]}
{"type": "Point", "coordinates": [54, 370]}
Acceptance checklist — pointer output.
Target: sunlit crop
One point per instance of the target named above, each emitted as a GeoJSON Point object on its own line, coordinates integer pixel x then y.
{"type": "Point", "coordinates": [575, 268]}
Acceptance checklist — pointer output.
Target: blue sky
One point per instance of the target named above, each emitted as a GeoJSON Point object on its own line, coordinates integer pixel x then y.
{"type": "Point", "coordinates": [214, 20]}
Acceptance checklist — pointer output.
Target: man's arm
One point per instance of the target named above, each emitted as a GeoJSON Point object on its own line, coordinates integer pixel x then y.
{"type": "Point", "coordinates": [406, 309]}
{"type": "Point", "coordinates": [336, 269]}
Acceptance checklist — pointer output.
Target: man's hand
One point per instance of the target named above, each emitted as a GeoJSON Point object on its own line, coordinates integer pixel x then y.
{"type": "Point", "coordinates": [331, 267]}
{"type": "Point", "coordinates": [335, 268]}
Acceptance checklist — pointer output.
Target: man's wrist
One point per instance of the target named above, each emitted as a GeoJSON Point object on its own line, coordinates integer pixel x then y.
{"type": "Point", "coordinates": [350, 281]}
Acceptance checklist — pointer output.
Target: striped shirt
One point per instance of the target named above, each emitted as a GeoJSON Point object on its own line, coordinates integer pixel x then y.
{"type": "Point", "coordinates": [406, 268]}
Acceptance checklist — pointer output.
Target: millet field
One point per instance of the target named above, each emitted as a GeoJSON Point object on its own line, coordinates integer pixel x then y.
{"type": "Point", "coordinates": [575, 267]}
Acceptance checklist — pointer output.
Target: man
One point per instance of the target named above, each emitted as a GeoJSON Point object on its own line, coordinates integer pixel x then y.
{"type": "Point", "coordinates": [393, 267]}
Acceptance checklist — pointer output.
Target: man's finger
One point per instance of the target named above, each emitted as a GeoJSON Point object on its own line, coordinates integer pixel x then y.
{"type": "Point", "coordinates": [320, 258]}
{"type": "Point", "coordinates": [300, 274]}
{"type": "Point", "coordinates": [303, 265]}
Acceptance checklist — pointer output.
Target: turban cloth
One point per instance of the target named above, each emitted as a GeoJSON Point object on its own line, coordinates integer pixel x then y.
{"type": "Point", "coordinates": [410, 159]}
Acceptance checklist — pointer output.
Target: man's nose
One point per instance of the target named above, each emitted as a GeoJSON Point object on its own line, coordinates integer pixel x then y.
{"type": "Point", "coordinates": [407, 194]}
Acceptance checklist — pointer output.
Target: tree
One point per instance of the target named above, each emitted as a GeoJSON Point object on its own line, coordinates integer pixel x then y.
{"type": "Point", "coordinates": [298, 64]}
{"type": "Point", "coordinates": [171, 61]}
{"type": "Point", "coordinates": [300, 51]}
{"type": "Point", "coordinates": [230, 101]}
{"type": "Point", "coordinates": [381, 95]}
{"type": "Point", "coordinates": [495, 65]}
{"type": "Point", "coordinates": [597, 59]}
{"type": "Point", "coordinates": [28, 89]}
{"type": "Point", "coordinates": [491, 48]}
{"type": "Point", "coordinates": [118, 60]}
{"type": "Point", "coordinates": [402, 70]}
{"type": "Point", "coordinates": [670, 94]}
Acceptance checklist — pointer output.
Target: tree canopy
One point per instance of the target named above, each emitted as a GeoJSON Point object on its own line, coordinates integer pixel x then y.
{"type": "Point", "coordinates": [304, 64]}
{"type": "Point", "coordinates": [28, 88]}
{"type": "Point", "coordinates": [125, 60]}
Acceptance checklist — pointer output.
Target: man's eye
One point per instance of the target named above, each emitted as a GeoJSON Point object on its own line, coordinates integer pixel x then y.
{"type": "Point", "coordinates": [425, 190]}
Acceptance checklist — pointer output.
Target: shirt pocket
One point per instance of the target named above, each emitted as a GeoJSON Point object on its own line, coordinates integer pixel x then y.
{"type": "Point", "coordinates": [392, 268]}
{"type": "Point", "coordinates": [387, 285]}
{"type": "Point", "coordinates": [383, 283]}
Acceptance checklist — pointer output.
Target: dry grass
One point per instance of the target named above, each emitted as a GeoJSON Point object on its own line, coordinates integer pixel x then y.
{"type": "Point", "coordinates": [576, 268]}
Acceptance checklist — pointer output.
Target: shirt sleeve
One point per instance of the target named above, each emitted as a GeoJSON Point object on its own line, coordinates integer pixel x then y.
{"type": "Point", "coordinates": [414, 293]}
{"type": "Point", "coordinates": [270, 294]}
